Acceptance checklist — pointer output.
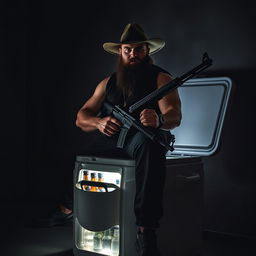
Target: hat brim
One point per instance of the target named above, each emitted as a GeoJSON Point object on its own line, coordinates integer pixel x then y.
{"type": "Point", "coordinates": [155, 44]}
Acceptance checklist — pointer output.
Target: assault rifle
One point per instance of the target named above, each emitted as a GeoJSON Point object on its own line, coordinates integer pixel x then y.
{"type": "Point", "coordinates": [129, 121]}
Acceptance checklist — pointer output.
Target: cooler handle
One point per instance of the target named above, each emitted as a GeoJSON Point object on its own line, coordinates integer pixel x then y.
{"type": "Point", "coordinates": [97, 184]}
{"type": "Point", "coordinates": [189, 179]}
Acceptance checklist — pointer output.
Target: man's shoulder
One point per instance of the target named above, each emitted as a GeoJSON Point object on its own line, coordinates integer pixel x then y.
{"type": "Point", "coordinates": [103, 83]}
{"type": "Point", "coordinates": [108, 78]}
{"type": "Point", "coordinates": [159, 69]}
{"type": "Point", "coordinates": [107, 82]}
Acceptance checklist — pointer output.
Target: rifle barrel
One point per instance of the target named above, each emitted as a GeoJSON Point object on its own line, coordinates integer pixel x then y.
{"type": "Point", "coordinates": [178, 81]}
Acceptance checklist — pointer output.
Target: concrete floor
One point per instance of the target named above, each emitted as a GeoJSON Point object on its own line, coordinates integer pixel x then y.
{"type": "Point", "coordinates": [19, 240]}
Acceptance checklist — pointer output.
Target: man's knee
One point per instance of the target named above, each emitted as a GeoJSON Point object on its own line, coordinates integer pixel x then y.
{"type": "Point", "coordinates": [140, 142]}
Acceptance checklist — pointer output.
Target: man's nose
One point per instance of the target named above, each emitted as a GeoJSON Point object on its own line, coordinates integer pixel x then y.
{"type": "Point", "coordinates": [133, 52]}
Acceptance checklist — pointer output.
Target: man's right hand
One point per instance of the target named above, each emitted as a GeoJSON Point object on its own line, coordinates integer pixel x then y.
{"type": "Point", "coordinates": [108, 125]}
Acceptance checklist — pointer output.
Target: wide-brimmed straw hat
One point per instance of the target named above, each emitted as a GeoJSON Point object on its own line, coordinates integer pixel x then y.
{"type": "Point", "coordinates": [134, 34]}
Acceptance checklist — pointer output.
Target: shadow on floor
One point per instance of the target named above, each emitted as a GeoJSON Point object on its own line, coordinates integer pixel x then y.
{"type": "Point", "coordinates": [19, 240]}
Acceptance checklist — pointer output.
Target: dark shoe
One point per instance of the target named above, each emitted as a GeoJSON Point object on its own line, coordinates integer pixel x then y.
{"type": "Point", "coordinates": [146, 243]}
{"type": "Point", "coordinates": [55, 218]}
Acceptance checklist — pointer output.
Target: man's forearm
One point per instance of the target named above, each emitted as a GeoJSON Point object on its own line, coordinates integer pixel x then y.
{"type": "Point", "coordinates": [172, 119]}
{"type": "Point", "coordinates": [87, 121]}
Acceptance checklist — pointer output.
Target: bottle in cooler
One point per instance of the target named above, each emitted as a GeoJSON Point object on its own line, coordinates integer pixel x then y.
{"type": "Point", "coordinates": [106, 240]}
{"type": "Point", "coordinates": [115, 241]}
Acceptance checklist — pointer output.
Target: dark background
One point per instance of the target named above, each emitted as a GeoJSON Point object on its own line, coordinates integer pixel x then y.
{"type": "Point", "coordinates": [51, 59]}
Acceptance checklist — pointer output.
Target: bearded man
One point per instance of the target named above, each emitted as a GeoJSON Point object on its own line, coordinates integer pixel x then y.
{"type": "Point", "coordinates": [135, 77]}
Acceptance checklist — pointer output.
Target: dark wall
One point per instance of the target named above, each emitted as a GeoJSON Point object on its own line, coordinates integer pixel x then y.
{"type": "Point", "coordinates": [52, 59]}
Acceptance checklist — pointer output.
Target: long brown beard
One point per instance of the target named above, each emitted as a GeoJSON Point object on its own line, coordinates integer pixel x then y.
{"type": "Point", "coordinates": [128, 75]}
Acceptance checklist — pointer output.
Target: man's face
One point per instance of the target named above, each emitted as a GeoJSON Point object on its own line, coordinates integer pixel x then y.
{"type": "Point", "coordinates": [133, 54]}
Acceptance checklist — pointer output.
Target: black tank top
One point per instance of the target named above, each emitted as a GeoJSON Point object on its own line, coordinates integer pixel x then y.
{"type": "Point", "coordinates": [115, 96]}
{"type": "Point", "coordinates": [149, 84]}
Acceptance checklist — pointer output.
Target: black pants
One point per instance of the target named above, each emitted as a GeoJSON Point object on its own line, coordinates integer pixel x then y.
{"type": "Point", "coordinates": [150, 170]}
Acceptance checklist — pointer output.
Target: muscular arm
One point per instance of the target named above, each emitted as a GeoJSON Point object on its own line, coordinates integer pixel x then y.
{"type": "Point", "coordinates": [87, 118]}
{"type": "Point", "coordinates": [170, 107]}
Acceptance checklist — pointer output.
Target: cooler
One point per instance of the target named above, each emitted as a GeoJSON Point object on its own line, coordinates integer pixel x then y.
{"type": "Point", "coordinates": [104, 221]}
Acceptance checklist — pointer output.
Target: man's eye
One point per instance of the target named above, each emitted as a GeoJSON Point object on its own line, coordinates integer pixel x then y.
{"type": "Point", "coordinates": [127, 50]}
{"type": "Point", "coordinates": [140, 49]}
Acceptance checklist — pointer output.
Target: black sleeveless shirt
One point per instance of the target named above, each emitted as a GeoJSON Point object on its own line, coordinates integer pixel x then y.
{"type": "Point", "coordinates": [142, 88]}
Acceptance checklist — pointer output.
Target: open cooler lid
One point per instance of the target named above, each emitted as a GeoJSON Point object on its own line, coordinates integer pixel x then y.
{"type": "Point", "coordinates": [204, 104]}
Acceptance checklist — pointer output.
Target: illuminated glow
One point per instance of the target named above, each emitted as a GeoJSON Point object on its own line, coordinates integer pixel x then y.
{"type": "Point", "coordinates": [108, 177]}
{"type": "Point", "coordinates": [85, 240]}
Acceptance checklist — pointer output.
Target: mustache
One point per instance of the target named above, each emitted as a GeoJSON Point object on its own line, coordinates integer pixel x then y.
{"type": "Point", "coordinates": [135, 58]}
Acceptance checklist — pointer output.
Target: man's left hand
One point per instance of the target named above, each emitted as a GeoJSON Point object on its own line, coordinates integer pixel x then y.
{"type": "Point", "coordinates": [149, 117]}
